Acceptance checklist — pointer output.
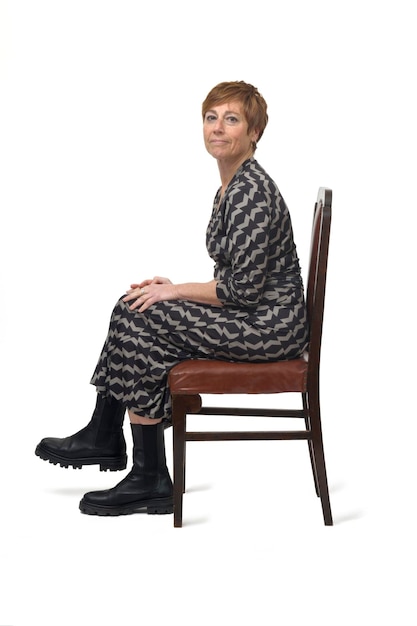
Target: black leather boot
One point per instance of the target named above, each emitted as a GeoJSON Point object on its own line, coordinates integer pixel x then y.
{"type": "Point", "coordinates": [101, 442]}
{"type": "Point", "coordinates": [147, 486]}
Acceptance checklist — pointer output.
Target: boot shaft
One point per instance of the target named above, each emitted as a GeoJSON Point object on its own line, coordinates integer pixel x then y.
{"type": "Point", "coordinates": [149, 447]}
{"type": "Point", "coordinates": [107, 420]}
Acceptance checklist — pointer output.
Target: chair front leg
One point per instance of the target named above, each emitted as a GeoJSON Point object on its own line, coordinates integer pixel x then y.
{"type": "Point", "coordinates": [178, 440]}
{"type": "Point", "coordinates": [181, 405]}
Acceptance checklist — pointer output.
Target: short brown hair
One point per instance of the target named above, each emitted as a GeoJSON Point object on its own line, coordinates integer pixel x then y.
{"type": "Point", "coordinates": [254, 105]}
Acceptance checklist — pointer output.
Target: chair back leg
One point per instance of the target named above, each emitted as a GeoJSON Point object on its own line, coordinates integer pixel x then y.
{"type": "Point", "coordinates": [317, 452]}
{"type": "Point", "coordinates": [307, 422]}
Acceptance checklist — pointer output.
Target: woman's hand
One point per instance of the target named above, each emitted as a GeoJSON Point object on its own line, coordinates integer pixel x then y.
{"type": "Point", "coordinates": [143, 294]}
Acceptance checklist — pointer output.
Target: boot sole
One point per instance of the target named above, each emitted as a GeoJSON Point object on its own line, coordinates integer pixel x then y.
{"type": "Point", "coordinates": [106, 463]}
{"type": "Point", "coordinates": [161, 506]}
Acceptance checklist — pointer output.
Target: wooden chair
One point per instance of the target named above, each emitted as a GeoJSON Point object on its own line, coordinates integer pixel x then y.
{"type": "Point", "coordinates": [189, 379]}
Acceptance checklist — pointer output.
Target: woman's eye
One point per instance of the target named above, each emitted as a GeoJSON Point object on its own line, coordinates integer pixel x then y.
{"type": "Point", "coordinates": [210, 118]}
{"type": "Point", "coordinates": [231, 119]}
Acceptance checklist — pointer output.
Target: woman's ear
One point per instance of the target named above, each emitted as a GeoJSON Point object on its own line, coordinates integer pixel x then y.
{"type": "Point", "coordinates": [254, 135]}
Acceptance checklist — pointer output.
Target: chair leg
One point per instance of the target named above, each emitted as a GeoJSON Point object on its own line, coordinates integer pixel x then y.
{"type": "Point", "coordinates": [310, 443]}
{"type": "Point", "coordinates": [181, 405]}
{"type": "Point", "coordinates": [318, 456]}
{"type": "Point", "coordinates": [178, 439]}
{"type": "Point", "coordinates": [184, 463]}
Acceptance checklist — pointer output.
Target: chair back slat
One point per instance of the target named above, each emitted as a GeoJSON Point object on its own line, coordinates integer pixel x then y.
{"type": "Point", "coordinates": [316, 281]}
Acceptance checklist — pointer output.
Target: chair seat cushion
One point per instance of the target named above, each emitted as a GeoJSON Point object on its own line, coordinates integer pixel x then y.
{"type": "Point", "coordinates": [197, 376]}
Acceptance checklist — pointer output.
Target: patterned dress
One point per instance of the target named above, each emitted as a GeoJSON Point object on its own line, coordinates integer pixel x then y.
{"type": "Point", "coordinates": [263, 317]}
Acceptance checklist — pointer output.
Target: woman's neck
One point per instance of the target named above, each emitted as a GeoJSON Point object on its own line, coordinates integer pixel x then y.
{"type": "Point", "coordinates": [228, 170]}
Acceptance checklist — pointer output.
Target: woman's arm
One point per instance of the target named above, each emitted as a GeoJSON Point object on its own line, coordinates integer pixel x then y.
{"type": "Point", "coordinates": [246, 245]}
{"type": "Point", "coordinates": [144, 294]}
{"type": "Point", "coordinates": [205, 293]}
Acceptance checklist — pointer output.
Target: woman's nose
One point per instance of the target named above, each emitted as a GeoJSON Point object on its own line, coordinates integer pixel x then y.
{"type": "Point", "coordinates": [218, 126]}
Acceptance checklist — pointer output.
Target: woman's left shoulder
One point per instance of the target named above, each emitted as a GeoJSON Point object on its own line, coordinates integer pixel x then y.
{"type": "Point", "coordinates": [258, 178]}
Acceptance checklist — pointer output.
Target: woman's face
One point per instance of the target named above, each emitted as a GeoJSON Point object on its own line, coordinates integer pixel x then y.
{"type": "Point", "coordinates": [226, 133]}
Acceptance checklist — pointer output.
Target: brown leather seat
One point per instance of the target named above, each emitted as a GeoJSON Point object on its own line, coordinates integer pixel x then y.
{"type": "Point", "coordinates": [207, 376]}
{"type": "Point", "coordinates": [191, 379]}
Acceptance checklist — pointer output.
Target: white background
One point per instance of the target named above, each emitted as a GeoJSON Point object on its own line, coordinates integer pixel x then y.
{"type": "Point", "coordinates": [104, 181]}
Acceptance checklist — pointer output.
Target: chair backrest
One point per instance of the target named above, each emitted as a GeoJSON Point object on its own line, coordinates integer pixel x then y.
{"type": "Point", "coordinates": [316, 282]}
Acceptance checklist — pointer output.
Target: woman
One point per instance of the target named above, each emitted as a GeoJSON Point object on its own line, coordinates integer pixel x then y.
{"type": "Point", "coordinates": [252, 310]}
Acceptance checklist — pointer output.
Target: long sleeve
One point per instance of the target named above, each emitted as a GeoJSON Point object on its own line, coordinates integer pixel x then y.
{"type": "Point", "coordinates": [246, 254]}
